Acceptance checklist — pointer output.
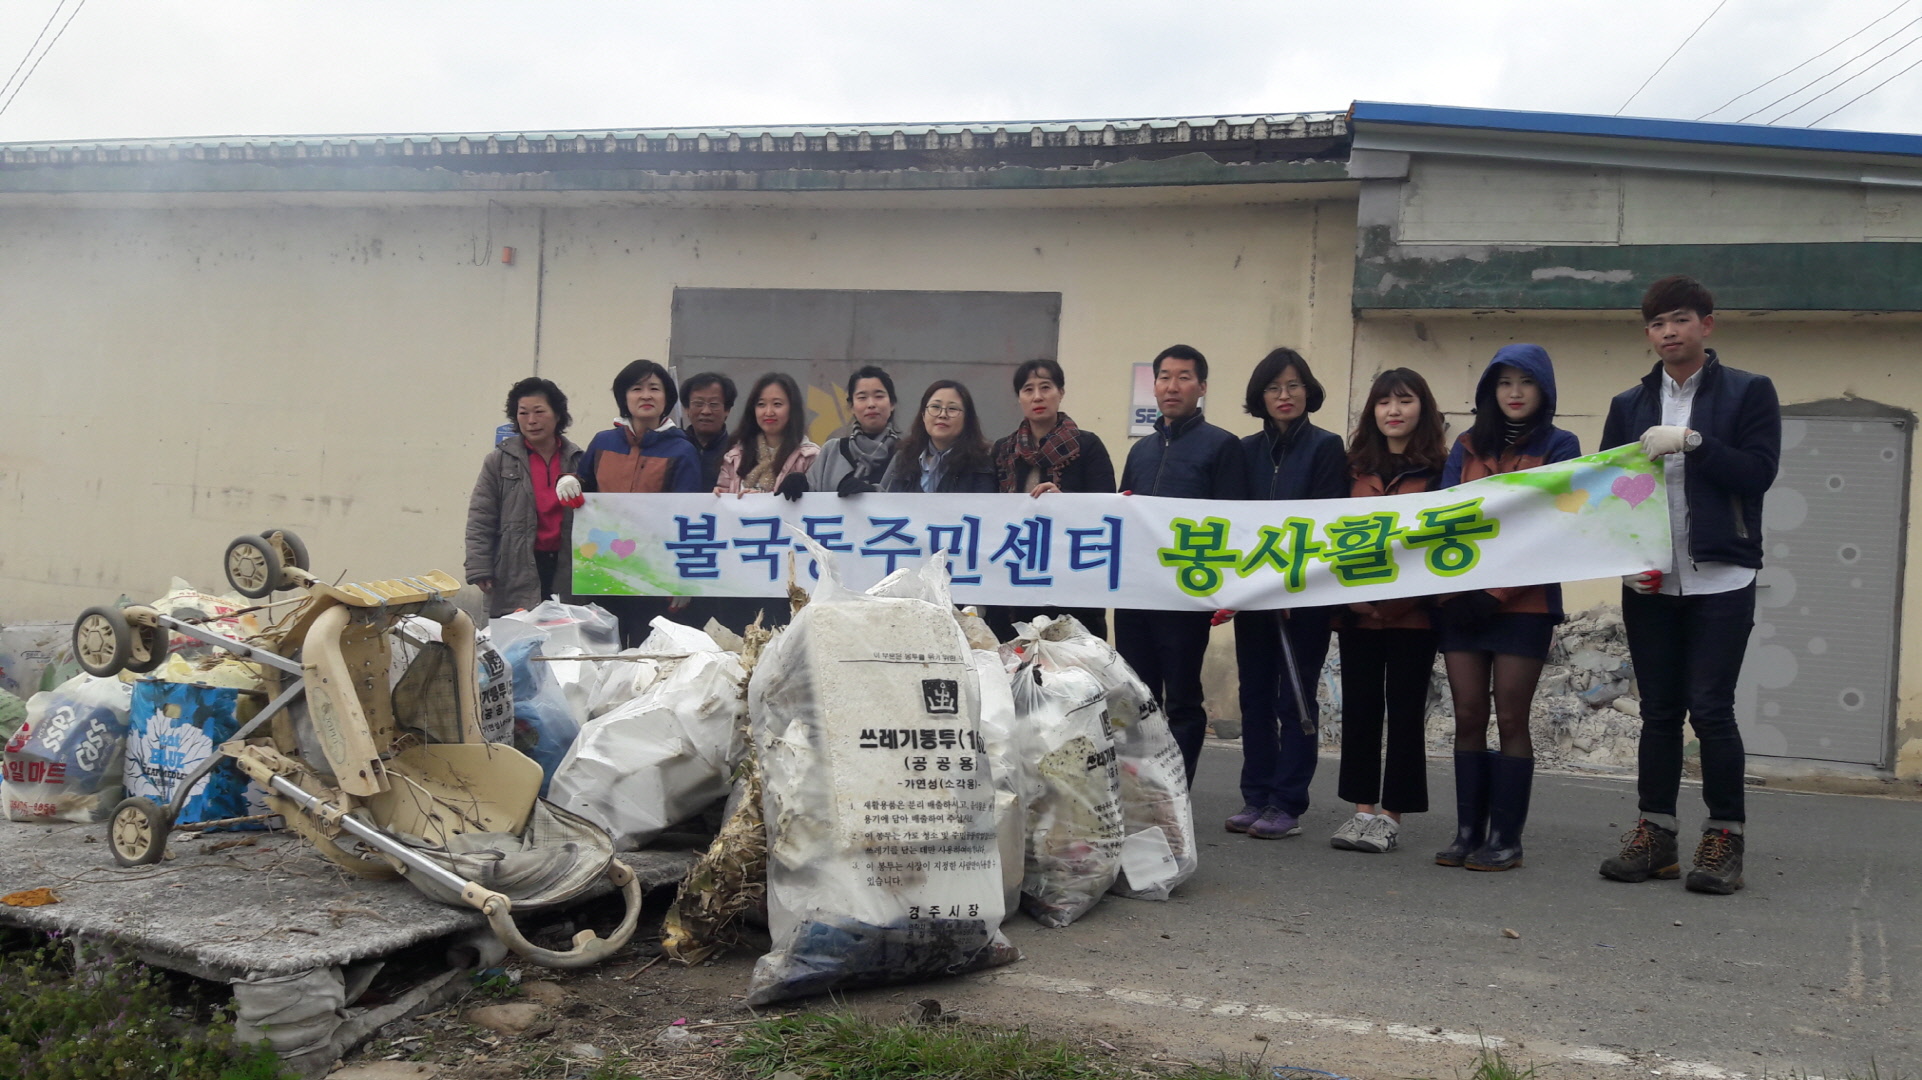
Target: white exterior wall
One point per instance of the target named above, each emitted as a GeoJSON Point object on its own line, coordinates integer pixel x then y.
{"type": "Point", "coordinates": [180, 374]}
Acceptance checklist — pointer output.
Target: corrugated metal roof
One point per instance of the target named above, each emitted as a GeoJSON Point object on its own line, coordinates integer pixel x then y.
{"type": "Point", "coordinates": [812, 139]}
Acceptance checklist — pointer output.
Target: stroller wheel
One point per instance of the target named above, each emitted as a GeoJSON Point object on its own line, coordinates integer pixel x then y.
{"type": "Point", "coordinates": [148, 640]}
{"type": "Point", "coordinates": [102, 641]}
{"type": "Point", "coordinates": [137, 832]}
{"type": "Point", "coordinates": [253, 566]}
{"type": "Point", "coordinates": [292, 552]}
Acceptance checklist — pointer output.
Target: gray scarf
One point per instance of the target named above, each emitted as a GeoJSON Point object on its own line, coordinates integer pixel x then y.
{"type": "Point", "coordinates": [869, 454]}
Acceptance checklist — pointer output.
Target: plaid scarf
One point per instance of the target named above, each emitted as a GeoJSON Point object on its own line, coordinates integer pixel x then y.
{"type": "Point", "coordinates": [1052, 454]}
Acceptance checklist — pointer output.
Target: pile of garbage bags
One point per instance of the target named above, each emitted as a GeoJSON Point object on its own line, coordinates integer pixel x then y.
{"type": "Point", "coordinates": [900, 782]}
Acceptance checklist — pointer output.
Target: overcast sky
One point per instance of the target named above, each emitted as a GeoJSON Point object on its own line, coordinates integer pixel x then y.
{"type": "Point", "coordinates": [133, 68]}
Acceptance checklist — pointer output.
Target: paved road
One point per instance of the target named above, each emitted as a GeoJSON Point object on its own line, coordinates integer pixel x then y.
{"type": "Point", "coordinates": [1815, 966]}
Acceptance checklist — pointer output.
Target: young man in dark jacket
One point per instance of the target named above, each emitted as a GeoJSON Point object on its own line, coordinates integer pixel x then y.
{"type": "Point", "coordinates": [1719, 431]}
{"type": "Point", "coordinates": [1186, 458]}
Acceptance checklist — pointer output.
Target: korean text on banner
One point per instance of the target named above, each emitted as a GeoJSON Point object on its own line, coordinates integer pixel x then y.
{"type": "Point", "coordinates": [1596, 516]}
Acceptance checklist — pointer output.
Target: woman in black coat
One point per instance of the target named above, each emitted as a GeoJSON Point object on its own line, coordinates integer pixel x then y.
{"type": "Point", "coordinates": [1048, 453]}
{"type": "Point", "coordinates": [943, 451]}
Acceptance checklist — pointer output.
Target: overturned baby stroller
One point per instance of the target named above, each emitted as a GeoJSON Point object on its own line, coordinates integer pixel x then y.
{"type": "Point", "coordinates": [405, 785]}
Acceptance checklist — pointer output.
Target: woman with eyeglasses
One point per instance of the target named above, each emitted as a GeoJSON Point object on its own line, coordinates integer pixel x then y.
{"type": "Point", "coordinates": [1290, 458]}
{"type": "Point", "coordinates": [943, 451]}
{"type": "Point", "coordinates": [1048, 453]}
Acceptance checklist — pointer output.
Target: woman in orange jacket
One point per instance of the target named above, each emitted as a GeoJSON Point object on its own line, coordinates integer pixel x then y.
{"type": "Point", "coordinates": [1494, 640]}
{"type": "Point", "coordinates": [1388, 647]}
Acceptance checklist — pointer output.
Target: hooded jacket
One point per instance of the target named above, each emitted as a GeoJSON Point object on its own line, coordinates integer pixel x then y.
{"type": "Point", "coordinates": [1188, 459]}
{"type": "Point", "coordinates": [502, 520]}
{"type": "Point", "coordinates": [617, 460]}
{"type": "Point", "coordinates": [1543, 444]}
{"type": "Point", "coordinates": [1741, 425]}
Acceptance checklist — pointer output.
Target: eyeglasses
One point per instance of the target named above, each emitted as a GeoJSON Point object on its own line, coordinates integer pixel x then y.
{"type": "Point", "coordinates": [1288, 389]}
{"type": "Point", "coordinates": [946, 410]}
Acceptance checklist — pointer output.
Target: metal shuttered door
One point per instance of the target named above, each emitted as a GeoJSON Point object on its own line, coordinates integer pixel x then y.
{"type": "Point", "coordinates": [1818, 681]}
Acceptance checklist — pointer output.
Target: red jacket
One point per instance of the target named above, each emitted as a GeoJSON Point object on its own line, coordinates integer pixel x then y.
{"type": "Point", "coordinates": [1407, 613]}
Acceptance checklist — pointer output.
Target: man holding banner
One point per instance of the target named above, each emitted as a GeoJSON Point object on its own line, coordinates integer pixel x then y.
{"type": "Point", "coordinates": [1186, 458]}
{"type": "Point", "coordinates": [1719, 432]}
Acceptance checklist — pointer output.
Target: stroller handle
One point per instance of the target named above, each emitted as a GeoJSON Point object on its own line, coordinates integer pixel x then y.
{"type": "Point", "coordinates": [589, 948]}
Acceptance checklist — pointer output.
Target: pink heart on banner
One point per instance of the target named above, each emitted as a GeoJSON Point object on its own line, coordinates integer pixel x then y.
{"type": "Point", "coordinates": [1634, 489]}
{"type": "Point", "coordinates": [623, 548]}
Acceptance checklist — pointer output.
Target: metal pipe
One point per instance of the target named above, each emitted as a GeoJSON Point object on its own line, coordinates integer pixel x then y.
{"type": "Point", "coordinates": [244, 651]}
{"type": "Point", "coordinates": [372, 836]}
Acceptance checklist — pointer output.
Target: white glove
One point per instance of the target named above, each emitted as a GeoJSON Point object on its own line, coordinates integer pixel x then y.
{"type": "Point", "coordinates": [568, 489]}
{"type": "Point", "coordinates": [1648, 582]}
{"type": "Point", "coordinates": [1666, 439]}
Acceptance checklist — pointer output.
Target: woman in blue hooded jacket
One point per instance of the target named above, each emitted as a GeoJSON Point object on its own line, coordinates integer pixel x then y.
{"type": "Point", "coordinates": [1290, 458]}
{"type": "Point", "coordinates": [1493, 641]}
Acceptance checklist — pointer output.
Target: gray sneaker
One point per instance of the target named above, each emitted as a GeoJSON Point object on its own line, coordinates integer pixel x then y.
{"type": "Point", "coordinates": [1349, 835]}
{"type": "Point", "coordinates": [1380, 835]}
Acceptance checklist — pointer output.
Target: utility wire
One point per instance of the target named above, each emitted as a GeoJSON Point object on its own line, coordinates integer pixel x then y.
{"type": "Point", "coordinates": [1878, 63]}
{"type": "Point", "coordinates": [1664, 64]}
{"type": "Point", "coordinates": [1833, 70]}
{"type": "Point", "coordinates": [24, 57]}
{"type": "Point", "coordinates": [22, 85]}
{"type": "Point", "coordinates": [1805, 63]}
{"type": "Point", "coordinates": [1865, 93]}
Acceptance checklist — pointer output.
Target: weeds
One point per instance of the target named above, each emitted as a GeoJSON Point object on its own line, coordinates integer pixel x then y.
{"type": "Point", "coordinates": [843, 1047]}
{"type": "Point", "coordinates": [1491, 1065]}
{"type": "Point", "coordinates": [110, 1023]}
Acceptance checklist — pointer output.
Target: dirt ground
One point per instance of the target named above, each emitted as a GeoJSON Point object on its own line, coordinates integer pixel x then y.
{"type": "Point", "coordinates": [616, 1013]}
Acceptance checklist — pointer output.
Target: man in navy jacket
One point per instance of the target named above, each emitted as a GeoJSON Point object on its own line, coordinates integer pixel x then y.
{"type": "Point", "coordinates": [1186, 458]}
{"type": "Point", "coordinates": [1719, 431]}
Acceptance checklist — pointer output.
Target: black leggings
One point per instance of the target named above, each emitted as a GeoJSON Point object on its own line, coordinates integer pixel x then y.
{"type": "Point", "coordinates": [1385, 673]}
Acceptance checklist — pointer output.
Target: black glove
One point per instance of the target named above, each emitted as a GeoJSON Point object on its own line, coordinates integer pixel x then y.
{"type": "Point", "coordinates": [852, 484]}
{"type": "Point", "coordinates": [793, 487]}
{"type": "Point", "coordinates": [1468, 612]}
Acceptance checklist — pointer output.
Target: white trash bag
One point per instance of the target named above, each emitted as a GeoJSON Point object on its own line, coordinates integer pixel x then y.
{"type": "Point", "coordinates": [571, 630]}
{"type": "Point", "coordinates": [883, 863]}
{"type": "Point", "coordinates": [1159, 852]}
{"type": "Point", "coordinates": [659, 758]}
{"type": "Point", "coordinates": [1015, 783]}
{"type": "Point", "coordinates": [656, 657]}
{"type": "Point", "coordinates": [64, 763]}
{"type": "Point", "coordinates": [1075, 827]}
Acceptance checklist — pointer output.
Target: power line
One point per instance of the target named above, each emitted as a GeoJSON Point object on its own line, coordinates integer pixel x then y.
{"type": "Point", "coordinates": [1865, 93]}
{"type": "Point", "coordinates": [1833, 70]}
{"type": "Point", "coordinates": [1878, 63]}
{"type": "Point", "coordinates": [1899, 50]}
{"type": "Point", "coordinates": [1863, 30]}
{"type": "Point", "coordinates": [22, 85]}
{"type": "Point", "coordinates": [25, 56]}
{"type": "Point", "coordinates": [1664, 64]}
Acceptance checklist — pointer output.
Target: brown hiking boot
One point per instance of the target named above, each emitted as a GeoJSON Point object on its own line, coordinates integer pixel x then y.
{"type": "Point", "coordinates": [1648, 851]}
{"type": "Point", "coordinates": [1718, 863]}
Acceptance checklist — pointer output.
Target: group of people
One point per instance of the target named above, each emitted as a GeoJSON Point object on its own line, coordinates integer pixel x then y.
{"type": "Point", "coordinates": [1717, 429]}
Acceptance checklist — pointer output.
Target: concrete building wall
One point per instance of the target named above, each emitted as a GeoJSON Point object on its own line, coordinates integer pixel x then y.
{"type": "Point", "coordinates": [183, 373]}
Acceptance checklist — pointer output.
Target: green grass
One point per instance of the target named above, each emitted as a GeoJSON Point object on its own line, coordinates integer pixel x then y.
{"type": "Point", "coordinates": [111, 1023]}
{"type": "Point", "coordinates": [830, 1046]}
{"type": "Point", "coordinates": [1490, 1064]}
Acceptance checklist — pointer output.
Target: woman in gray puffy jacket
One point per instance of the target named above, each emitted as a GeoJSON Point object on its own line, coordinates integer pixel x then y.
{"type": "Point", "coordinates": [516, 526]}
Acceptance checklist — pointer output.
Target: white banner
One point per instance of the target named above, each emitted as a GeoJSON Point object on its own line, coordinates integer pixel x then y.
{"type": "Point", "coordinates": [1596, 516]}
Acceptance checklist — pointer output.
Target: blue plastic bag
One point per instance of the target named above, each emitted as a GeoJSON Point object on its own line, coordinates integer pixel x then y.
{"type": "Point", "coordinates": [544, 726]}
{"type": "Point", "coordinates": [173, 728]}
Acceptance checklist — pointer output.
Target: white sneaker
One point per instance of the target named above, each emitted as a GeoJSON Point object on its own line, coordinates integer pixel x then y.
{"type": "Point", "coordinates": [1380, 835]}
{"type": "Point", "coordinates": [1348, 837]}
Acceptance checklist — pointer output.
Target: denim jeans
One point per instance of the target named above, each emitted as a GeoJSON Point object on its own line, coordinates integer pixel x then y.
{"type": "Point", "coordinates": [1277, 757]}
{"type": "Point", "coordinates": [1688, 653]}
{"type": "Point", "coordinates": [1165, 648]}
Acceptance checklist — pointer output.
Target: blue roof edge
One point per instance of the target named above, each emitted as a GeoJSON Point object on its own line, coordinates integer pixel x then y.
{"type": "Point", "coordinates": [1827, 140]}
